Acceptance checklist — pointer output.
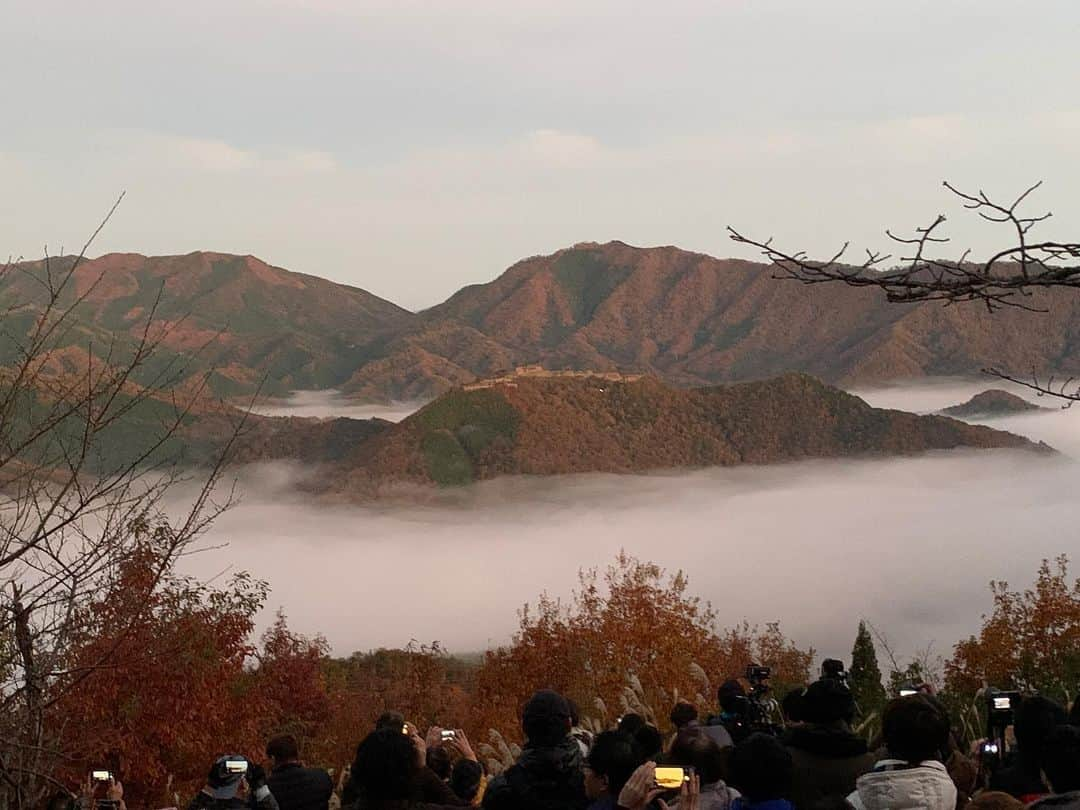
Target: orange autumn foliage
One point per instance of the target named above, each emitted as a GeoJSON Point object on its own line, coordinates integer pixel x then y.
{"type": "Point", "coordinates": [1031, 640]}
{"type": "Point", "coordinates": [632, 621]}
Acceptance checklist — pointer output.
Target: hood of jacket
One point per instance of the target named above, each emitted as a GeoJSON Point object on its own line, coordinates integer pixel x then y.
{"type": "Point", "coordinates": [1063, 801]}
{"type": "Point", "coordinates": [541, 762]}
{"type": "Point", "coordinates": [894, 785]}
{"type": "Point", "coordinates": [826, 741]}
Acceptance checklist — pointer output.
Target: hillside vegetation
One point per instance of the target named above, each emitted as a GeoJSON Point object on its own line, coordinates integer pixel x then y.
{"type": "Point", "coordinates": [684, 317]}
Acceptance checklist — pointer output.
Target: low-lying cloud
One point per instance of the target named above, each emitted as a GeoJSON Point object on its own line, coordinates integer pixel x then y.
{"type": "Point", "coordinates": [909, 544]}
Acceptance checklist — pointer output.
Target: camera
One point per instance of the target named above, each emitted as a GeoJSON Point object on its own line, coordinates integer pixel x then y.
{"type": "Point", "coordinates": [757, 675]}
{"type": "Point", "coordinates": [236, 766]}
{"type": "Point", "coordinates": [448, 734]}
{"type": "Point", "coordinates": [1001, 707]}
{"type": "Point", "coordinates": [908, 691]}
{"type": "Point", "coordinates": [990, 748]}
{"type": "Point", "coordinates": [832, 669]}
{"type": "Point", "coordinates": [100, 776]}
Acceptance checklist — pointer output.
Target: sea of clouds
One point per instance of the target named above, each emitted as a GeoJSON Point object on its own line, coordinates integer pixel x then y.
{"type": "Point", "coordinates": [909, 544]}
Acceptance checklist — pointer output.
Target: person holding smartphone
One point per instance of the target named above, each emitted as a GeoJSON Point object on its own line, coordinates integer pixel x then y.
{"type": "Point", "coordinates": [235, 783]}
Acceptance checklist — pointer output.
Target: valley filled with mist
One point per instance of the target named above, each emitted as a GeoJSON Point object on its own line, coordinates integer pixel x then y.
{"type": "Point", "coordinates": [909, 544]}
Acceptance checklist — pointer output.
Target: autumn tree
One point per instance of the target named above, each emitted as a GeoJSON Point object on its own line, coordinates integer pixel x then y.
{"type": "Point", "coordinates": [1030, 641]}
{"type": "Point", "coordinates": [89, 427]}
{"type": "Point", "coordinates": [864, 676]}
{"type": "Point", "coordinates": [632, 638]}
{"type": "Point", "coordinates": [173, 693]}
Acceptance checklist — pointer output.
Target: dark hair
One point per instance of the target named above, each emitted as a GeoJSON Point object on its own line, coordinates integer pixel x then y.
{"type": "Point", "coordinates": [1061, 759]}
{"type": "Point", "coordinates": [833, 803]}
{"type": "Point", "coordinates": [649, 741]}
{"type": "Point", "coordinates": [794, 705]}
{"type": "Point", "coordinates": [828, 701]}
{"type": "Point", "coordinates": [915, 729]}
{"type": "Point", "coordinates": [761, 768]}
{"type": "Point", "coordinates": [693, 748]}
{"type": "Point", "coordinates": [1036, 718]}
{"type": "Point", "coordinates": [683, 713]}
{"type": "Point", "coordinates": [390, 720]}
{"type": "Point", "coordinates": [283, 748]}
{"type": "Point", "coordinates": [994, 800]}
{"type": "Point", "coordinates": [385, 766]}
{"type": "Point", "coordinates": [546, 718]}
{"type": "Point", "coordinates": [438, 760]}
{"type": "Point", "coordinates": [728, 695]}
{"type": "Point", "coordinates": [615, 756]}
{"type": "Point", "coordinates": [465, 779]}
{"type": "Point", "coordinates": [630, 722]}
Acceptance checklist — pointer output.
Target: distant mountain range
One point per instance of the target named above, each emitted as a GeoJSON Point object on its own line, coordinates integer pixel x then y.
{"type": "Point", "coordinates": [557, 425]}
{"type": "Point", "coordinates": [687, 318]}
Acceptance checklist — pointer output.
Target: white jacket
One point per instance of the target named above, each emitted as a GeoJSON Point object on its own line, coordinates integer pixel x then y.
{"type": "Point", "coordinates": [893, 785]}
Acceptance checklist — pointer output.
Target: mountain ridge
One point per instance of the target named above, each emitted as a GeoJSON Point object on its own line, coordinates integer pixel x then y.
{"type": "Point", "coordinates": [684, 316]}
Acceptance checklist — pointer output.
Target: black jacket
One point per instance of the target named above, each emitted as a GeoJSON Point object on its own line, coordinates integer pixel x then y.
{"type": "Point", "coordinates": [827, 760]}
{"type": "Point", "coordinates": [1023, 777]}
{"type": "Point", "coordinates": [541, 779]}
{"type": "Point", "coordinates": [298, 788]}
{"type": "Point", "coordinates": [427, 789]}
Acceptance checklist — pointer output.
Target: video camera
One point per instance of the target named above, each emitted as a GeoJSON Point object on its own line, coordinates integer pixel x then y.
{"type": "Point", "coordinates": [1000, 713]}
{"type": "Point", "coordinates": [832, 669]}
{"type": "Point", "coordinates": [756, 711]}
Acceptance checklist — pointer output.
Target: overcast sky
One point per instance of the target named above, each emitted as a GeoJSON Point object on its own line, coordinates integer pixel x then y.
{"type": "Point", "coordinates": [411, 148]}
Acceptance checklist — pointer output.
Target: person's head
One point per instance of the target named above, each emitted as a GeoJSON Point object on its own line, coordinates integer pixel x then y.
{"type": "Point", "coordinates": [630, 722]}
{"type": "Point", "coordinates": [386, 764]}
{"type": "Point", "coordinates": [391, 720]}
{"type": "Point", "coordinates": [283, 749]}
{"type": "Point", "coordinates": [60, 800]}
{"type": "Point", "coordinates": [729, 694]}
{"type": "Point", "coordinates": [649, 741]}
{"type": "Point", "coordinates": [438, 759]}
{"type": "Point", "coordinates": [994, 800]}
{"type": "Point", "coordinates": [1061, 759]}
{"type": "Point", "coordinates": [226, 777]}
{"type": "Point", "coordinates": [612, 760]}
{"type": "Point", "coordinates": [915, 729]}
{"type": "Point", "coordinates": [546, 719]}
{"type": "Point", "coordinates": [827, 702]}
{"type": "Point", "coordinates": [1036, 718]}
{"type": "Point", "coordinates": [465, 779]}
{"type": "Point", "coordinates": [794, 706]}
{"type": "Point", "coordinates": [683, 714]}
{"type": "Point", "coordinates": [761, 768]}
{"type": "Point", "coordinates": [693, 748]}
{"type": "Point", "coordinates": [575, 713]}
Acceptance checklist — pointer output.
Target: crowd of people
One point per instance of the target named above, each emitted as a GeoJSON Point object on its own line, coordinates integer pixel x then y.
{"type": "Point", "coordinates": [808, 758]}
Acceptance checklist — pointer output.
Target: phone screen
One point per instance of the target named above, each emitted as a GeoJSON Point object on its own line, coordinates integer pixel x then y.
{"type": "Point", "coordinates": [670, 778]}
{"type": "Point", "coordinates": [1002, 703]}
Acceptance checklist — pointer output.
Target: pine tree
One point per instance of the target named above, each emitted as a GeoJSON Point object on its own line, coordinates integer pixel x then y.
{"type": "Point", "coordinates": [864, 676]}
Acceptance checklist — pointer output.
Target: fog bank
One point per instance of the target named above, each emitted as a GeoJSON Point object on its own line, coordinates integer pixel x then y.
{"type": "Point", "coordinates": [909, 544]}
{"type": "Point", "coordinates": [330, 403]}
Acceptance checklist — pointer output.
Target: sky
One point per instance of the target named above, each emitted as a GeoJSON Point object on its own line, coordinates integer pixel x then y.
{"type": "Point", "coordinates": [411, 148]}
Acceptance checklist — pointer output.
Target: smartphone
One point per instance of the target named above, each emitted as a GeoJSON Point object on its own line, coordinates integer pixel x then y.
{"type": "Point", "coordinates": [448, 734]}
{"type": "Point", "coordinates": [671, 778]}
{"type": "Point", "coordinates": [236, 766]}
{"type": "Point", "coordinates": [100, 776]}
{"type": "Point", "coordinates": [405, 729]}
{"type": "Point", "coordinates": [908, 692]}
{"type": "Point", "coordinates": [1002, 703]}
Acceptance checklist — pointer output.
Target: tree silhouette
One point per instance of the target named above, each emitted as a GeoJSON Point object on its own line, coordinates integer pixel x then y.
{"type": "Point", "coordinates": [864, 677]}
